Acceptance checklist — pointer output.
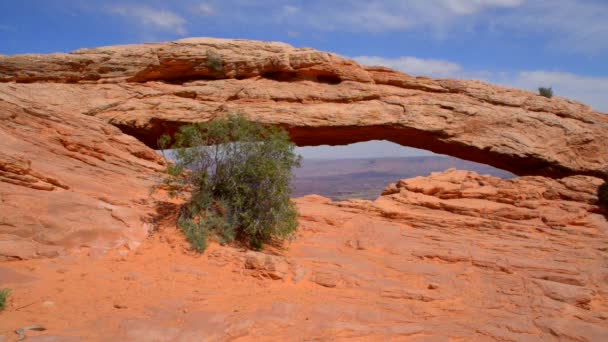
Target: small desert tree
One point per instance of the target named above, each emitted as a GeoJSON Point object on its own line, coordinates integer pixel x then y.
{"type": "Point", "coordinates": [214, 61]}
{"type": "Point", "coordinates": [238, 175]}
{"type": "Point", "coordinates": [4, 293]}
{"type": "Point", "coordinates": [546, 92]}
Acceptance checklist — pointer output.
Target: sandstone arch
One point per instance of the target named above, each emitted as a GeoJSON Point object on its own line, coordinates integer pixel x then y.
{"type": "Point", "coordinates": [321, 98]}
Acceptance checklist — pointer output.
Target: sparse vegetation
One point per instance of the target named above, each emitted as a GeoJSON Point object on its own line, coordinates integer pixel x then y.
{"type": "Point", "coordinates": [163, 143]}
{"type": "Point", "coordinates": [546, 92]}
{"type": "Point", "coordinates": [4, 293]}
{"type": "Point", "coordinates": [602, 196]}
{"type": "Point", "coordinates": [238, 175]}
{"type": "Point", "coordinates": [214, 61]}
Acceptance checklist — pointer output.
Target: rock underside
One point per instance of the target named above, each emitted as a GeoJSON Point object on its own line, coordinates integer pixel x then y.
{"type": "Point", "coordinates": [454, 255]}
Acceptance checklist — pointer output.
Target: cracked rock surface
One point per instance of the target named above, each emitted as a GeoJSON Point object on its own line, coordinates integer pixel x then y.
{"type": "Point", "coordinates": [320, 97]}
{"type": "Point", "coordinates": [454, 256]}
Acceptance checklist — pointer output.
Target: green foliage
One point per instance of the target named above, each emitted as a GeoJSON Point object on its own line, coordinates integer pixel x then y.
{"type": "Point", "coordinates": [196, 233]}
{"type": "Point", "coordinates": [238, 174]}
{"type": "Point", "coordinates": [163, 143]}
{"type": "Point", "coordinates": [546, 92]}
{"type": "Point", "coordinates": [4, 293]}
{"type": "Point", "coordinates": [214, 61]}
{"type": "Point", "coordinates": [602, 196]}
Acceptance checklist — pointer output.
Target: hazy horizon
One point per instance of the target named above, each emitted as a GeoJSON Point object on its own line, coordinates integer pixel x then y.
{"type": "Point", "coordinates": [362, 150]}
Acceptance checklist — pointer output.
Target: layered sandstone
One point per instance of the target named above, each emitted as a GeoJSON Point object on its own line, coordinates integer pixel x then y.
{"type": "Point", "coordinates": [451, 256]}
{"type": "Point", "coordinates": [69, 181]}
{"type": "Point", "coordinates": [454, 255]}
{"type": "Point", "coordinates": [71, 178]}
{"type": "Point", "coordinates": [321, 98]}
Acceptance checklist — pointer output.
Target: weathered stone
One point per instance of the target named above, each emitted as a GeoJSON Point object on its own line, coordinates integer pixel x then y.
{"type": "Point", "coordinates": [265, 265]}
{"type": "Point", "coordinates": [319, 97]}
{"type": "Point", "coordinates": [69, 181]}
{"type": "Point", "coordinates": [463, 268]}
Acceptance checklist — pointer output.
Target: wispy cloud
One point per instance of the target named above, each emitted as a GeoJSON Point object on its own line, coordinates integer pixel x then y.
{"type": "Point", "coordinates": [205, 9]}
{"type": "Point", "coordinates": [571, 25]}
{"type": "Point", "coordinates": [415, 66]}
{"type": "Point", "coordinates": [474, 6]}
{"type": "Point", "coordinates": [589, 90]}
{"type": "Point", "coordinates": [394, 15]}
{"type": "Point", "coordinates": [157, 19]}
{"type": "Point", "coordinates": [586, 89]}
{"type": "Point", "coordinates": [577, 26]}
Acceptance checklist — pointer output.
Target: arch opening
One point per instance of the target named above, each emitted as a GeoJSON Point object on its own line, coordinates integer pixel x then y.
{"type": "Point", "coordinates": [436, 141]}
{"type": "Point", "coordinates": [363, 170]}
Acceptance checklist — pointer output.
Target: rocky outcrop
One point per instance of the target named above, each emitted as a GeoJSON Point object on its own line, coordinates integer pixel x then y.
{"type": "Point", "coordinates": [451, 256]}
{"type": "Point", "coordinates": [454, 255]}
{"type": "Point", "coordinates": [321, 98]}
{"type": "Point", "coordinates": [69, 181]}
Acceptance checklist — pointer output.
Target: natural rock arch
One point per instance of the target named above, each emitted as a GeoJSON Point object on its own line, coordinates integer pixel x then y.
{"type": "Point", "coordinates": [319, 97]}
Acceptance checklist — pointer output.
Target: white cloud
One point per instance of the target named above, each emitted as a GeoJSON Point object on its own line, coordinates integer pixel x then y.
{"type": "Point", "coordinates": [571, 25]}
{"type": "Point", "coordinates": [372, 16]}
{"type": "Point", "coordinates": [578, 26]}
{"type": "Point", "coordinates": [586, 89]}
{"type": "Point", "coordinates": [398, 15]}
{"type": "Point", "coordinates": [368, 15]}
{"type": "Point", "coordinates": [474, 6]}
{"type": "Point", "coordinates": [290, 10]}
{"type": "Point", "coordinates": [158, 19]}
{"type": "Point", "coordinates": [415, 66]}
{"type": "Point", "coordinates": [205, 9]}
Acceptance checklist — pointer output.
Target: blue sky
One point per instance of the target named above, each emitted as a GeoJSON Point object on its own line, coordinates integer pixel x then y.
{"type": "Point", "coordinates": [521, 43]}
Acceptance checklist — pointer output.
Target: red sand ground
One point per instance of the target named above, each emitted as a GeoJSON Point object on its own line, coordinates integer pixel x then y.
{"type": "Point", "coordinates": [451, 266]}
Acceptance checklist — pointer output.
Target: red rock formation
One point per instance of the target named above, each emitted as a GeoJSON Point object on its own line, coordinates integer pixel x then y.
{"type": "Point", "coordinates": [454, 255]}
{"type": "Point", "coordinates": [319, 97]}
{"type": "Point", "coordinates": [69, 181]}
{"type": "Point", "coordinates": [451, 256]}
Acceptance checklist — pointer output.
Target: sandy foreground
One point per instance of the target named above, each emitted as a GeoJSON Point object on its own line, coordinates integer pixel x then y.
{"type": "Point", "coordinates": [356, 270]}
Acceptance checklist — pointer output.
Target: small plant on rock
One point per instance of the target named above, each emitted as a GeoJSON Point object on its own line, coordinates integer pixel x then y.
{"type": "Point", "coordinates": [214, 61]}
{"type": "Point", "coordinates": [4, 293]}
{"type": "Point", "coordinates": [546, 92]}
{"type": "Point", "coordinates": [238, 175]}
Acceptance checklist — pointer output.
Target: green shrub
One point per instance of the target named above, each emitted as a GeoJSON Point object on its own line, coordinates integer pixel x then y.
{"type": "Point", "coordinates": [4, 293]}
{"type": "Point", "coordinates": [238, 174]}
{"type": "Point", "coordinates": [214, 61]}
{"type": "Point", "coordinates": [602, 196]}
{"type": "Point", "coordinates": [546, 92]}
{"type": "Point", "coordinates": [196, 233]}
{"type": "Point", "coordinates": [163, 143]}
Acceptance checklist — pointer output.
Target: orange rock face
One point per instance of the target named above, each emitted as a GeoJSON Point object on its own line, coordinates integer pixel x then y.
{"type": "Point", "coordinates": [321, 98]}
{"type": "Point", "coordinates": [451, 256]}
{"type": "Point", "coordinates": [454, 255]}
{"type": "Point", "coordinates": [69, 181]}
